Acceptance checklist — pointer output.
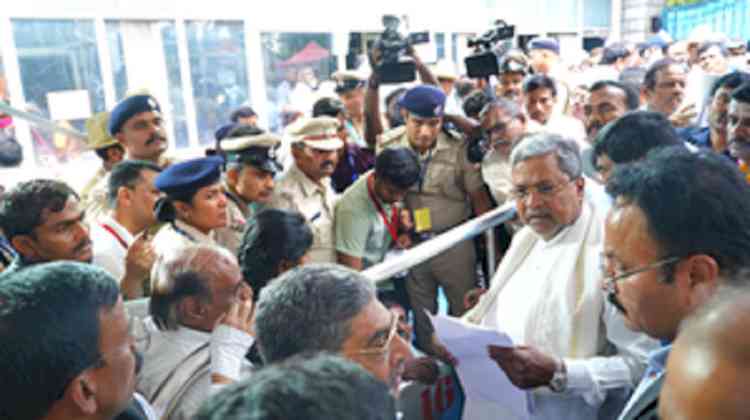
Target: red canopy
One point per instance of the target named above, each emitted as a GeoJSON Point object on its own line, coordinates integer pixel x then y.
{"type": "Point", "coordinates": [311, 52]}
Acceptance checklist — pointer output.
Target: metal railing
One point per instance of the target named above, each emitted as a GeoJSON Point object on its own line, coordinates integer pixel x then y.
{"type": "Point", "coordinates": [441, 243]}
{"type": "Point", "coordinates": [41, 122]}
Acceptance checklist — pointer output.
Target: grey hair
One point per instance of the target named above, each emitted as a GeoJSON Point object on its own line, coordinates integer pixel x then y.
{"type": "Point", "coordinates": [309, 308]}
{"type": "Point", "coordinates": [183, 272]}
{"type": "Point", "coordinates": [510, 107]}
{"type": "Point", "coordinates": [541, 144]}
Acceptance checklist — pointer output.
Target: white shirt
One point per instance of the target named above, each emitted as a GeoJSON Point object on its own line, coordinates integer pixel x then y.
{"type": "Point", "coordinates": [167, 349]}
{"type": "Point", "coordinates": [568, 127]}
{"type": "Point", "coordinates": [590, 379]}
{"type": "Point", "coordinates": [111, 246]}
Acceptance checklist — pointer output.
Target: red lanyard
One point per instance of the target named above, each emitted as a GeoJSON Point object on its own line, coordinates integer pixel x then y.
{"type": "Point", "coordinates": [114, 233]}
{"type": "Point", "coordinates": [392, 225]}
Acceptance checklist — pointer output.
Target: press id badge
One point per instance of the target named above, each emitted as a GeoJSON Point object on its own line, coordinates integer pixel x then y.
{"type": "Point", "coordinates": [422, 220]}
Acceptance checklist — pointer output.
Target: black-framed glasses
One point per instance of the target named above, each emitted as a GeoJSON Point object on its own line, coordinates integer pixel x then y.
{"type": "Point", "coordinates": [611, 281]}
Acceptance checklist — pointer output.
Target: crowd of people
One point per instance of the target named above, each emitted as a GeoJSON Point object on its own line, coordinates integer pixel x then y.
{"type": "Point", "coordinates": [229, 286]}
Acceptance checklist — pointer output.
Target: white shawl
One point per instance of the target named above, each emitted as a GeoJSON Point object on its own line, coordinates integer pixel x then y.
{"type": "Point", "coordinates": [566, 318]}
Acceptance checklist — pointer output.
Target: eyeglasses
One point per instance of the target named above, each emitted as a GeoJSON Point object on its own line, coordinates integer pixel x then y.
{"type": "Point", "coordinates": [611, 281]}
{"type": "Point", "coordinates": [386, 347]}
{"type": "Point", "coordinates": [544, 190]}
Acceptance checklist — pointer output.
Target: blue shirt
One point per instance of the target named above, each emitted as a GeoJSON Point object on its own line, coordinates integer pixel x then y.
{"type": "Point", "coordinates": [657, 362]}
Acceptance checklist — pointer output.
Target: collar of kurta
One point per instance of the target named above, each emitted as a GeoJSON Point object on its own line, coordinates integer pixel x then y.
{"type": "Point", "coordinates": [309, 187]}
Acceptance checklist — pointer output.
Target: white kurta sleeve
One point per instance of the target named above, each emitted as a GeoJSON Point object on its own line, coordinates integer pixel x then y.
{"type": "Point", "coordinates": [593, 377]}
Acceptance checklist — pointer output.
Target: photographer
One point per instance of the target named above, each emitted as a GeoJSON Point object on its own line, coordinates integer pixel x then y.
{"type": "Point", "coordinates": [373, 120]}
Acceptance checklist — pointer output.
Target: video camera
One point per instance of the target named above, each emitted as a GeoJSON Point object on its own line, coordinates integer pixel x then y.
{"type": "Point", "coordinates": [393, 66]}
{"type": "Point", "coordinates": [483, 63]}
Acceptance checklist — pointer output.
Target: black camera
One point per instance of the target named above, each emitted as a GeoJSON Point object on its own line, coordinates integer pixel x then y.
{"type": "Point", "coordinates": [394, 67]}
{"type": "Point", "coordinates": [483, 63]}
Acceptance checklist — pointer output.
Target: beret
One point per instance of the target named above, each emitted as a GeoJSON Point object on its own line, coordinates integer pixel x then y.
{"type": "Point", "coordinates": [129, 107]}
{"type": "Point", "coordinates": [424, 101]}
{"type": "Point", "coordinates": [190, 175]}
{"type": "Point", "coordinates": [550, 44]}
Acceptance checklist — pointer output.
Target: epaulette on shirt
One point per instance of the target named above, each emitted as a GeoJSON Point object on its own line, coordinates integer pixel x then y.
{"type": "Point", "coordinates": [391, 136]}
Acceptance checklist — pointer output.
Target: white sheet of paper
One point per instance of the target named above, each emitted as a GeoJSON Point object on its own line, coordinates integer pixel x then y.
{"type": "Point", "coordinates": [485, 384]}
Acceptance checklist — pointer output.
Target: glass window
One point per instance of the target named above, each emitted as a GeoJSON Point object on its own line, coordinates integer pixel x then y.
{"type": "Point", "coordinates": [144, 55]}
{"type": "Point", "coordinates": [440, 43]}
{"type": "Point", "coordinates": [174, 80]}
{"type": "Point", "coordinates": [219, 74]}
{"type": "Point", "coordinates": [117, 59]}
{"type": "Point", "coordinates": [297, 67]}
{"type": "Point", "coordinates": [61, 78]}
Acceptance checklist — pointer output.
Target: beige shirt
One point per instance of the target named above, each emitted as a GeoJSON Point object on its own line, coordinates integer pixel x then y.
{"type": "Point", "coordinates": [316, 202]}
{"type": "Point", "coordinates": [448, 178]}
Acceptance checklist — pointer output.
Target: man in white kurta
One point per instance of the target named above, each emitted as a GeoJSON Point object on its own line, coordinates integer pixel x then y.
{"type": "Point", "coordinates": [547, 296]}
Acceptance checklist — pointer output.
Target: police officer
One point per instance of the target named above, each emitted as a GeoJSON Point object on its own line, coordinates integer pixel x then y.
{"type": "Point", "coordinates": [449, 188]}
{"type": "Point", "coordinates": [350, 87]}
{"type": "Point", "coordinates": [249, 179]}
{"type": "Point", "coordinates": [194, 206]}
{"type": "Point", "coordinates": [136, 123]}
{"type": "Point", "coordinates": [306, 187]}
{"type": "Point", "coordinates": [110, 151]}
{"type": "Point", "coordinates": [353, 159]}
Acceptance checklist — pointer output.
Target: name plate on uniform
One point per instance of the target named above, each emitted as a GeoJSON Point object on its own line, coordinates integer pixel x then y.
{"type": "Point", "coordinates": [422, 220]}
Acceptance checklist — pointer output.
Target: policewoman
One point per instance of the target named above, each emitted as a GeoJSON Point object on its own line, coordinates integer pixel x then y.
{"type": "Point", "coordinates": [194, 206]}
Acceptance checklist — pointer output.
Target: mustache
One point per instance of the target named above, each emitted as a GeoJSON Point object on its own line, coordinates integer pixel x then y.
{"type": "Point", "coordinates": [154, 138]}
{"type": "Point", "coordinates": [326, 163]}
{"type": "Point", "coordinates": [84, 243]}
{"type": "Point", "coordinates": [537, 214]}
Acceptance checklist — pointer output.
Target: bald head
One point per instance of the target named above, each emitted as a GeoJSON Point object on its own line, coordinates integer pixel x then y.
{"type": "Point", "coordinates": [194, 286]}
{"type": "Point", "coordinates": [708, 371]}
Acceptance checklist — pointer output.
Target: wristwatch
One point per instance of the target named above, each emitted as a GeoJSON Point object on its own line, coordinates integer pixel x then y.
{"type": "Point", "coordinates": [559, 380]}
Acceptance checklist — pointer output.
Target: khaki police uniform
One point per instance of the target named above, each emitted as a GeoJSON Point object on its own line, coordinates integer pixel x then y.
{"type": "Point", "coordinates": [253, 150]}
{"type": "Point", "coordinates": [230, 237]}
{"type": "Point", "coordinates": [448, 178]}
{"type": "Point", "coordinates": [94, 193]}
{"type": "Point", "coordinates": [314, 200]}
